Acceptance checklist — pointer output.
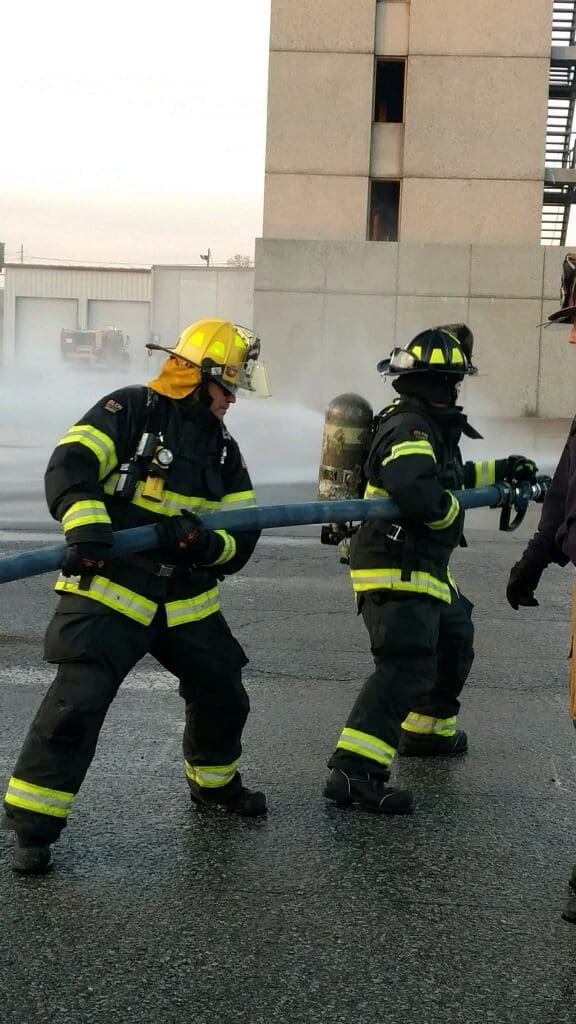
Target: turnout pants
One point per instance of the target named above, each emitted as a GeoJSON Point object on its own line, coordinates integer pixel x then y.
{"type": "Point", "coordinates": [423, 652]}
{"type": "Point", "coordinates": [95, 650]}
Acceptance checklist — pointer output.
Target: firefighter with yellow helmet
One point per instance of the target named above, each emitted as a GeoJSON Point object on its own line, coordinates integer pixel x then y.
{"type": "Point", "coordinates": [157, 454]}
{"type": "Point", "coordinates": [419, 623]}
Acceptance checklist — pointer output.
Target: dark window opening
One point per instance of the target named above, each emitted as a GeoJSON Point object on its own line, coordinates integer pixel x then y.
{"type": "Point", "coordinates": [389, 91]}
{"type": "Point", "coordinates": [384, 211]}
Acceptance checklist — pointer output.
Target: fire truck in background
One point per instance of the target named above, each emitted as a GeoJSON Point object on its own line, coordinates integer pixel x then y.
{"type": "Point", "coordinates": [99, 347]}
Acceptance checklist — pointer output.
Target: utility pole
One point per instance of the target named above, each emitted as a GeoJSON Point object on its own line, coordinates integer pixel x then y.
{"type": "Point", "coordinates": [206, 257]}
{"type": "Point", "coordinates": [21, 254]}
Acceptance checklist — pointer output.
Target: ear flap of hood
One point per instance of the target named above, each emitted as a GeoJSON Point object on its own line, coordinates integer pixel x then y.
{"type": "Point", "coordinates": [176, 378]}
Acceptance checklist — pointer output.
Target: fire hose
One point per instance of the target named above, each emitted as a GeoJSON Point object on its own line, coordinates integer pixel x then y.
{"type": "Point", "coordinates": [512, 499]}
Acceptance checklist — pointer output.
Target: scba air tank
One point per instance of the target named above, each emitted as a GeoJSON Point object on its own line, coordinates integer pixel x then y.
{"type": "Point", "coordinates": [345, 446]}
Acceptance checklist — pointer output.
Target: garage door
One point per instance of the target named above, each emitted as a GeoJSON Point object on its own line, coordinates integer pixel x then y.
{"type": "Point", "coordinates": [38, 326]}
{"type": "Point", "coordinates": [133, 318]}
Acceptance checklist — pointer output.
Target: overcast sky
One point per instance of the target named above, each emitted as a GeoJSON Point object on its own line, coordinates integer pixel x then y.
{"type": "Point", "coordinates": [133, 133]}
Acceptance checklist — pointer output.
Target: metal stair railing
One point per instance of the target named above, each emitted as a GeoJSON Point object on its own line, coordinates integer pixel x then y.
{"type": "Point", "coordinates": [559, 196]}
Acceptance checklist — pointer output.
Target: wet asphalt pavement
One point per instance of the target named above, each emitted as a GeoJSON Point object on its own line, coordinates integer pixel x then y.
{"type": "Point", "coordinates": [156, 911]}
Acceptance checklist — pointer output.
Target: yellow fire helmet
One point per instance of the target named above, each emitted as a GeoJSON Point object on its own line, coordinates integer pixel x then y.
{"type": "Point", "coordinates": [225, 353]}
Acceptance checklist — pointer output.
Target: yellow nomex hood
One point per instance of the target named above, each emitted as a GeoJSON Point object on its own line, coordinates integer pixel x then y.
{"type": "Point", "coordinates": [176, 378]}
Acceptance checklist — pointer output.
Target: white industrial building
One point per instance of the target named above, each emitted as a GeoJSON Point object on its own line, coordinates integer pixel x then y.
{"type": "Point", "coordinates": [145, 303]}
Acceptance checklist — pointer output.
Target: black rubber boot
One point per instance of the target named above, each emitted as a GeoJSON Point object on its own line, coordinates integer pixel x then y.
{"type": "Point", "coordinates": [370, 792]}
{"type": "Point", "coordinates": [414, 744]}
{"type": "Point", "coordinates": [236, 799]}
{"type": "Point", "coordinates": [569, 912]}
{"type": "Point", "coordinates": [31, 860]}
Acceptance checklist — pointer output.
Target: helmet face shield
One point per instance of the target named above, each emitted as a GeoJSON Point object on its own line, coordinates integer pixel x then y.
{"type": "Point", "coordinates": [399, 361]}
{"type": "Point", "coordinates": [254, 377]}
{"type": "Point", "coordinates": [249, 374]}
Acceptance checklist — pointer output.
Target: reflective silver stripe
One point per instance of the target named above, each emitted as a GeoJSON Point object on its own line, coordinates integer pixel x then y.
{"type": "Point", "coordinates": [211, 776]}
{"type": "Point", "coordinates": [391, 579]}
{"type": "Point", "coordinates": [242, 499]}
{"type": "Point", "coordinates": [113, 595]}
{"type": "Point", "coordinates": [427, 726]}
{"type": "Point", "coordinates": [173, 503]}
{"type": "Point", "coordinates": [229, 549]}
{"type": "Point", "coordinates": [193, 608]}
{"type": "Point", "coordinates": [484, 473]}
{"type": "Point", "coordinates": [365, 745]}
{"type": "Point", "coordinates": [97, 442]}
{"type": "Point", "coordinates": [85, 513]}
{"type": "Point", "coordinates": [53, 802]}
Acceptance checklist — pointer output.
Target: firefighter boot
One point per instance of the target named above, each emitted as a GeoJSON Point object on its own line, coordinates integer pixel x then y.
{"type": "Point", "coordinates": [31, 859]}
{"type": "Point", "coordinates": [414, 744]}
{"type": "Point", "coordinates": [234, 797]}
{"type": "Point", "coordinates": [569, 912]}
{"type": "Point", "coordinates": [369, 791]}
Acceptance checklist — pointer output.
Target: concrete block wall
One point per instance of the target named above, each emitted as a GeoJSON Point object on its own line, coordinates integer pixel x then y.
{"type": "Point", "coordinates": [470, 151]}
{"type": "Point", "coordinates": [328, 311]}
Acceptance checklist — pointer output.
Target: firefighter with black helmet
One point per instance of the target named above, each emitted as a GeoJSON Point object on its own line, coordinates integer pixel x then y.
{"type": "Point", "coordinates": [157, 454]}
{"type": "Point", "coordinates": [419, 623]}
{"type": "Point", "coordinates": [554, 541]}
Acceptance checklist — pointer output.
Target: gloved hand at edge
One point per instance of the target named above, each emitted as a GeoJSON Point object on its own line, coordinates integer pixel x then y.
{"type": "Point", "coordinates": [516, 467]}
{"type": "Point", "coordinates": [522, 582]}
{"type": "Point", "coordinates": [86, 558]}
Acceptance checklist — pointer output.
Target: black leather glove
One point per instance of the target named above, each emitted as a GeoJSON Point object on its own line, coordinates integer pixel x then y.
{"type": "Point", "coordinates": [518, 467]}
{"type": "Point", "coordinates": [85, 558]}
{"type": "Point", "coordinates": [522, 582]}
{"type": "Point", "coordinates": [185, 532]}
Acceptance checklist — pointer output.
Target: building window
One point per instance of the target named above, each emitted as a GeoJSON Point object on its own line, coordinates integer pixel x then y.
{"type": "Point", "coordinates": [389, 91]}
{"type": "Point", "coordinates": [384, 211]}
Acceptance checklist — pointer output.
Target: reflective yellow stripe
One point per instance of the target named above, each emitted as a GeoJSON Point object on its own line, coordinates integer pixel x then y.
{"type": "Point", "coordinates": [211, 776]}
{"type": "Point", "coordinates": [97, 442]}
{"type": "Point", "coordinates": [451, 515]}
{"type": "Point", "coordinates": [366, 745]}
{"type": "Point", "coordinates": [409, 448]}
{"type": "Point", "coordinates": [484, 473]}
{"type": "Point", "coordinates": [229, 549]}
{"type": "Point", "coordinates": [391, 579]}
{"type": "Point", "coordinates": [193, 608]}
{"type": "Point", "coordinates": [38, 798]}
{"type": "Point", "coordinates": [452, 581]}
{"type": "Point", "coordinates": [241, 499]}
{"type": "Point", "coordinates": [85, 513]}
{"type": "Point", "coordinates": [171, 503]}
{"type": "Point", "coordinates": [113, 595]}
{"type": "Point", "coordinates": [426, 726]}
{"type": "Point", "coordinates": [371, 492]}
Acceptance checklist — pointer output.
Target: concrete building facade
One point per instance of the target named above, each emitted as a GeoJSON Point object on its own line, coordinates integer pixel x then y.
{"type": "Point", "coordinates": [405, 169]}
{"type": "Point", "coordinates": [449, 107]}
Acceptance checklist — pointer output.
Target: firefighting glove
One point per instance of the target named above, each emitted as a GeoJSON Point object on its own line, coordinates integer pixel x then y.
{"type": "Point", "coordinates": [85, 558]}
{"type": "Point", "coordinates": [185, 532]}
{"type": "Point", "coordinates": [522, 582]}
{"type": "Point", "coordinates": [516, 468]}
